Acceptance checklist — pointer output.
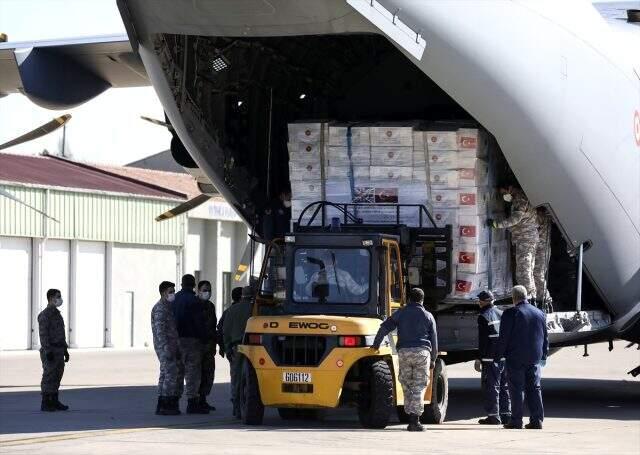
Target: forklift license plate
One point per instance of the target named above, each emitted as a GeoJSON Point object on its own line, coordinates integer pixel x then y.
{"type": "Point", "coordinates": [288, 376]}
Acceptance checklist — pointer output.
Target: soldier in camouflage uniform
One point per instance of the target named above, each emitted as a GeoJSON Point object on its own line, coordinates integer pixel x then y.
{"type": "Point", "coordinates": [417, 351]}
{"type": "Point", "coordinates": [523, 224]}
{"type": "Point", "coordinates": [165, 343]}
{"type": "Point", "coordinates": [235, 323]}
{"type": "Point", "coordinates": [53, 351]}
{"type": "Point", "coordinates": [209, 351]}
{"type": "Point", "coordinates": [543, 254]}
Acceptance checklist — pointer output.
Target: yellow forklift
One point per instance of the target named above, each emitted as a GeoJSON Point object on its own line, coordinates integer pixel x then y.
{"type": "Point", "coordinates": [322, 294]}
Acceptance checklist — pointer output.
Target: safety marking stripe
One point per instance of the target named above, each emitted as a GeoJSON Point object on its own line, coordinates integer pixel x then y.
{"type": "Point", "coordinates": [92, 434]}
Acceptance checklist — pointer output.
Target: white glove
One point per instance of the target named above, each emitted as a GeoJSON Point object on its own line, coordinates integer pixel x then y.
{"type": "Point", "coordinates": [478, 366]}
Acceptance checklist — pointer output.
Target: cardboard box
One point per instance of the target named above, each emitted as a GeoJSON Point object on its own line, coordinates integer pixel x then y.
{"type": "Point", "coordinates": [344, 172]}
{"type": "Point", "coordinates": [306, 189]}
{"type": "Point", "coordinates": [339, 156]}
{"type": "Point", "coordinates": [475, 176]}
{"type": "Point", "coordinates": [472, 258]}
{"type": "Point", "coordinates": [419, 174]}
{"type": "Point", "coordinates": [444, 178]}
{"type": "Point", "coordinates": [441, 140]}
{"type": "Point", "coordinates": [469, 285]}
{"type": "Point", "coordinates": [468, 201]}
{"type": "Point", "coordinates": [303, 151]}
{"type": "Point", "coordinates": [443, 198]}
{"type": "Point", "coordinates": [391, 136]}
{"type": "Point", "coordinates": [442, 217]}
{"type": "Point", "coordinates": [388, 173]}
{"type": "Point", "coordinates": [306, 132]}
{"type": "Point", "coordinates": [451, 159]}
{"type": "Point", "coordinates": [472, 229]}
{"type": "Point", "coordinates": [419, 158]}
{"type": "Point", "coordinates": [392, 156]}
{"type": "Point", "coordinates": [304, 170]}
{"type": "Point", "coordinates": [359, 135]}
{"type": "Point", "coordinates": [473, 140]}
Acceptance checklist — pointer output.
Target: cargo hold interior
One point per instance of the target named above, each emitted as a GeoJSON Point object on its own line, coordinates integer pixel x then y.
{"type": "Point", "coordinates": [249, 89]}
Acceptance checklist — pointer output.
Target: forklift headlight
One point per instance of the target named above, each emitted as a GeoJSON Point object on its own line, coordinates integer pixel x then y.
{"type": "Point", "coordinates": [351, 341]}
{"type": "Point", "coordinates": [254, 339]}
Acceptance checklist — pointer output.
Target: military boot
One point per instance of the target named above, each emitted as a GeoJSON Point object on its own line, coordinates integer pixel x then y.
{"type": "Point", "coordinates": [48, 404]}
{"type": "Point", "coordinates": [59, 406]}
{"type": "Point", "coordinates": [159, 405]}
{"type": "Point", "coordinates": [491, 420]}
{"type": "Point", "coordinates": [506, 418]}
{"type": "Point", "coordinates": [174, 404]}
{"type": "Point", "coordinates": [194, 407]}
{"type": "Point", "coordinates": [414, 423]}
{"type": "Point", "coordinates": [166, 407]}
{"type": "Point", "coordinates": [204, 404]}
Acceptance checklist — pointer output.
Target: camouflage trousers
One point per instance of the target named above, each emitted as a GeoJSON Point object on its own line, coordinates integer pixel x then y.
{"type": "Point", "coordinates": [208, 371]}
{"type": "Point", "coordinates": [52, 371]}
{"type": "Point", "coordinates": [190, 370]}
{"type": "Point", "coordinates": [414, 377]}
{"type": "Point", "coordinates": [525, 263]}
{"type": "Point", "coordinates": [540, 269]}
{"type": "Point", "coordinates": [169, 371]}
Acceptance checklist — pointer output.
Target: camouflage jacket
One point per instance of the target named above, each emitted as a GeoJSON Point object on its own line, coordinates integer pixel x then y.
{"type": "Point", "coordinates": [163, 327]}
{"type": "Point", "coordinates": [523, 221]}
{"type": "Point", "coordinates": [51, 328]}
{"type": "Point", "coordinates": [235, 323]}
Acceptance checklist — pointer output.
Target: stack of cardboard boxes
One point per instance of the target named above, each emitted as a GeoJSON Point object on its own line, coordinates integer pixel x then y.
{"type": "Point", "coordinates": [444, 168]}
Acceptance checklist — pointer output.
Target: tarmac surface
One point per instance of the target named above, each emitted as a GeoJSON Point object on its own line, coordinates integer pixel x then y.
{"type": "Point", "coordinates": [592, 407]}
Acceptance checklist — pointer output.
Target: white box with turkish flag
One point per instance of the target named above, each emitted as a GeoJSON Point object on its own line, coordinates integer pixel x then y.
{"type": "Point", "coordinates": [469, 285]}
{"type": "Point", "coordinates": [472, 258]}
{"type": "Point", "coordinates": [475, 176]}
{"type": "Point", "coordinates": [473, 229]}
{"type": "Point", "coordinates": [473, 140]}
{"type": "Point", "coordinates": [442, 217]}
{"type": "Point", "coordinates": [441, 140]}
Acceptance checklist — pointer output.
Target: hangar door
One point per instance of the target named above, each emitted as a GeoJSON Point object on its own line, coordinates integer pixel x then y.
{"type": "Point", "coordinates": [89, 302]}
{"type": "Point", "coordinates": [15, 270]}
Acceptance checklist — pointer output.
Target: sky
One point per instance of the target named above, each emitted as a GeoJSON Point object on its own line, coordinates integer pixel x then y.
{"type": "Point", "coordinates": [106, 129]}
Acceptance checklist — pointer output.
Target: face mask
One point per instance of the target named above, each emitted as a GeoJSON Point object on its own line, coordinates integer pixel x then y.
{"type": "Point", "coordinates": [507, 197]}
{"type": "Point", "coordinates": [171, 297]}
{"type": "Point", "coordinates": [205, 295]}
{"type": "Point", "coordinates": [286, 203]}
{"type": "Point", "coordinates": [58, 302]}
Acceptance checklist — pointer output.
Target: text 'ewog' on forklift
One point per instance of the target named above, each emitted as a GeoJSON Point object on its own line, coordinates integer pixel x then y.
{"type": "Point", "coordinates": [323, 291]}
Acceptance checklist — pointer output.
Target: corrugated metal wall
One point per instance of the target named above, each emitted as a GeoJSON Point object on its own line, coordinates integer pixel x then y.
{"type": "Point", "coordinates": [87, 216]}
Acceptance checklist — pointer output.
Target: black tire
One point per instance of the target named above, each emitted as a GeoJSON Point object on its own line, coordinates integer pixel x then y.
{"type": "Point", "coordinates": [376, 399]}
{"type": "Point", "coordinates": [288, 413]}
{"type": "Point", "coordinates": [251, 407]}
{"type": "Point", "coordinates": [436, 411]}
{"type": "Point", "coordinates": [403, 417]}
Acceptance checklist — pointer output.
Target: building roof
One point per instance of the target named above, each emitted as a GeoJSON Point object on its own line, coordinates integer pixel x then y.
{"type": "Point", "coordinates": [59, 172]}
{"type": "Point", "coordinates": [182, 183]}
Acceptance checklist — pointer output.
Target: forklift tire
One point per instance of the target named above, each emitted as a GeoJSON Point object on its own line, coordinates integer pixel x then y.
{"type": "Point", "coordinates": [251, 407]}
{"type": "Point", "coordinates": [436, 411]}
{"type": "Point", "coordinates": [376, 401]}
{"type": "Point", "coordinates": [288, 413]}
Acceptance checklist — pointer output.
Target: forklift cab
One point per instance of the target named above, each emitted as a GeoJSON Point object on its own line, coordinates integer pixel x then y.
{"type": "Point", "coordinates": [351, 274]}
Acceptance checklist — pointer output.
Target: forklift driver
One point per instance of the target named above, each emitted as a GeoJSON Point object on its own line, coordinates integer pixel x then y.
{"type": "Point", "coordinates": [334, 282]}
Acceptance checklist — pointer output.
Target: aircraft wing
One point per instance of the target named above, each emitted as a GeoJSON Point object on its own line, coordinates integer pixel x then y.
{"type": "Point", "coordinates": [61, 74]}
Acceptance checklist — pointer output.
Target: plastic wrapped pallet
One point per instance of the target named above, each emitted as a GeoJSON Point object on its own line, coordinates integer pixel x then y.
{"type": "Point", "coordinates": [473, 229]}
{"type": "Point", "coordinates": [300, 151]}
{"type": "Point", "coordinates": [419, 174]}
{"type": "Point", "coordinates": [445, 216]}
{"type": "Point", "coordinates": [444, 178]}
{"type": "Point", "coordinates": [306, 190]}
{"type": "Point", "coordinates": [392, 156]}
{"type": "Point", "coordinates": [391, 136]}
{"type": "Point", "coordinates": [476, 176]}
{"type": "Point", "coordinates": [419, 149]}
{"type": "Point", "coordinates": [470, 201]}
{"type": "Point", "coordinates": [338, 135]}
{"type": "Point", "coordinates": [306, 132]}
{"type": "Point", "coordinates": [390, 173]}
{"type": "Point", "coordinates": [344, 172]}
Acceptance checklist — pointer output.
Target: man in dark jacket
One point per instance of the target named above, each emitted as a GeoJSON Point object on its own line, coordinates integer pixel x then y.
{"type": "Point", "coordinates": [497, 403]}
{"type": "Point", "coordinates": [524, 343]}
{"type": "Point", "coordinates": [417, 351]}
{"type": "Point", "coordinates": [236, 295]}
{"type": "Point", "coordinates": [209, 347]}
{"type": "Point", "coordinates": [189, 321]}
{"type": "Point", "coordinates": [53, 351]}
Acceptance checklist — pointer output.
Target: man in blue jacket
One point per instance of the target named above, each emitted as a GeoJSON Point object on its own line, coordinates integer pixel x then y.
{"type": "Point", "coordinates": [524, 343]}
{"type": "Point", "coordinates": [189, 317]}
{"type": "Point", "coordinates": [497, 404]}
{"type": "Point", "coordinates": [417, 351]}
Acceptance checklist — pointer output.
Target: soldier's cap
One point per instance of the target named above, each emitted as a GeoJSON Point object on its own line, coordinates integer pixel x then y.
{"type": "Point", "coordinates": [247, 291]}
{"type": "Point", "coordinates": [486, 296]}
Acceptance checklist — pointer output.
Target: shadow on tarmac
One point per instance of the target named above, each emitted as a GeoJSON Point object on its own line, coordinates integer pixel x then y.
{"type": "Point", "coordinates": [132, 407]}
